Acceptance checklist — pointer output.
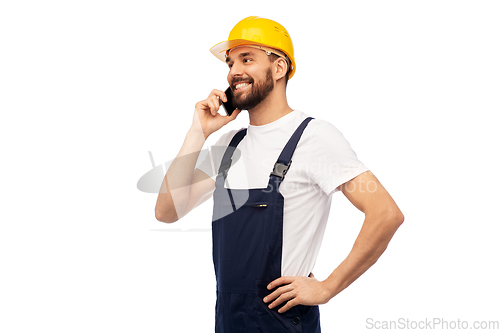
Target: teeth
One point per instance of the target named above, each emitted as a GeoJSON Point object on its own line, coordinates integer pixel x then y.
{"type": "Point", "coordinates": [239, 85]}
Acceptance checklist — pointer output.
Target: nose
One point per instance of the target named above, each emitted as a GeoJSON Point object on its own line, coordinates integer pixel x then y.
{"type": "Point", "coordinates": [236, 69]}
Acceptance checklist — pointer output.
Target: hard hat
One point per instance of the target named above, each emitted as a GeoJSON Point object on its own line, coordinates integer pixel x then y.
{"type": "Point", "coordinates": [258, 32]}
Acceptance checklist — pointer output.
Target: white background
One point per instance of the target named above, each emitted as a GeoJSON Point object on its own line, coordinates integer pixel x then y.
{"type": "Point", "coordinates": [87, 88]}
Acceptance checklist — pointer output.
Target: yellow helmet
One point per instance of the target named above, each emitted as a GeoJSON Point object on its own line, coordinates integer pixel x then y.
{"type": "Point", "coordinates": [258, 32]}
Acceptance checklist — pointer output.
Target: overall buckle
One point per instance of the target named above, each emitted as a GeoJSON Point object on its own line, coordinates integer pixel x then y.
{"type": "Point", "coordinates": [280, 169]}
{"type": "Point", "coordinates": [225, 168]}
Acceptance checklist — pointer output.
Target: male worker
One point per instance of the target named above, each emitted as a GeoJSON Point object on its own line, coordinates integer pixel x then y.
{"type": "Point", "coordinates": [269, 213]}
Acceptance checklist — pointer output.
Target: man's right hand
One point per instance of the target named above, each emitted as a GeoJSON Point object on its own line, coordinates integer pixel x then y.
{"type": "Point", "coordinates": [206, 117]}
{"type": "Point", "coordinates": [184, 187]}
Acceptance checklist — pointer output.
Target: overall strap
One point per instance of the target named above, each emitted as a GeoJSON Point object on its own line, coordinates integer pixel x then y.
{"type": "Point", "coordinates": [285, 159]}
{"type": "Point", "coordinates": [225, 164]}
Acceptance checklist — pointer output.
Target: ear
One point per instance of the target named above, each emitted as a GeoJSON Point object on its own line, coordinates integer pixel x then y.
{"type": "Point", "coordinates": [280, 68]}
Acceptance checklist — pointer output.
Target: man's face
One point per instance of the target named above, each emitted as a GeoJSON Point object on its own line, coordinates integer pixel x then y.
{"type": "Point", "coordinates": [250, 77]}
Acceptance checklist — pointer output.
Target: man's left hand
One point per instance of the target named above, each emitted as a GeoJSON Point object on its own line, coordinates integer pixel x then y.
{"type": "Point", "coordinates": [296, 290]}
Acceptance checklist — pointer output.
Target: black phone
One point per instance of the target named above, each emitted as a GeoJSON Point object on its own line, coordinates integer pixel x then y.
{"type": "Point", "coordinates": [228, 106]}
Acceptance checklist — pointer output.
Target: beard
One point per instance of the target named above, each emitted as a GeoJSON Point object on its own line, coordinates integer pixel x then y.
{"type": "Point", "coordinates": [257, 94]}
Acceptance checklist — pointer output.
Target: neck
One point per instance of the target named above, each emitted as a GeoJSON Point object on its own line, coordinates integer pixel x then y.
{"type": "Point", "coordinates": [270, 109]}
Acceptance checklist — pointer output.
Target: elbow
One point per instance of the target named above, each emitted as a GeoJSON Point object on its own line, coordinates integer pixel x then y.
{"type": "Point", "coordinates": [401, 218]}
{"type": "Point", "coordinates": [397, 218]}
{"type": "Point", "coordinates": [390, 219]}
{"type": "Point", "coordinates": [165, 217]}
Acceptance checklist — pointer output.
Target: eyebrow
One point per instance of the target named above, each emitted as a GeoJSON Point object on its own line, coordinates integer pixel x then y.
{"type": "Point", "coordinates": [241, 55]}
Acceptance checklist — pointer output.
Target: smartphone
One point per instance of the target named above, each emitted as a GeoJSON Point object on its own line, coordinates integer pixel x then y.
{"type": "Point", "coordinates": [228, 106]}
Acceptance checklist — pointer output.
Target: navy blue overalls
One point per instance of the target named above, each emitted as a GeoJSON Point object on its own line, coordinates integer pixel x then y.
{"type": "Point", "coordinates": [247, 232]}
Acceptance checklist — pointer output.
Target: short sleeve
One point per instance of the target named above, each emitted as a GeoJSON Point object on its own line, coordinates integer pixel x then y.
{"type": "Point", "coordinates": [332, 160]}
{"type": "Point", "coordinates": [211, 162]}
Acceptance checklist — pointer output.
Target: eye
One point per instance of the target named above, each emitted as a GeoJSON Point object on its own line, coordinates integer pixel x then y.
{"type": "Point", "coordinates": [246, 60]}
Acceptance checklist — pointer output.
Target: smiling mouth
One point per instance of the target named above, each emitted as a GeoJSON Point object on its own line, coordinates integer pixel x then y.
{"type": "Point", "coordinates": [241, 86]}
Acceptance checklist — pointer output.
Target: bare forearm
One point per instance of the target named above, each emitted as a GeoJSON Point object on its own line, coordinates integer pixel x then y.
{"type": "Point", "coordinates": [174, 191]}
{"type": "Point", "coordinates": [372, 241]}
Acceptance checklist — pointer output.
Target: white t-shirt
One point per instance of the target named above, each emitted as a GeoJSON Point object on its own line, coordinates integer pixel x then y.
{"type": "Point", "coordinates": [322, 161]}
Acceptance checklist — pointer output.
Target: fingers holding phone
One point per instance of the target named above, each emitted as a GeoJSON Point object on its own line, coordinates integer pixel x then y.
{"type": "Point", "coordinates": [213, 101]}
{"type": "Point", "coordinates": [207, 117]}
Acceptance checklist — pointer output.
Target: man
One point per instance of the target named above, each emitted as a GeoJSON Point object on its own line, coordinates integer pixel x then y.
{"type": "Point", "coordinates": [270, 214]}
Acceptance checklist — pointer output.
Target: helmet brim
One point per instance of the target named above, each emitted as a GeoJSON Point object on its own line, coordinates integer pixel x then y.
{"type": "Point", "coordinates": [219, 50]}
